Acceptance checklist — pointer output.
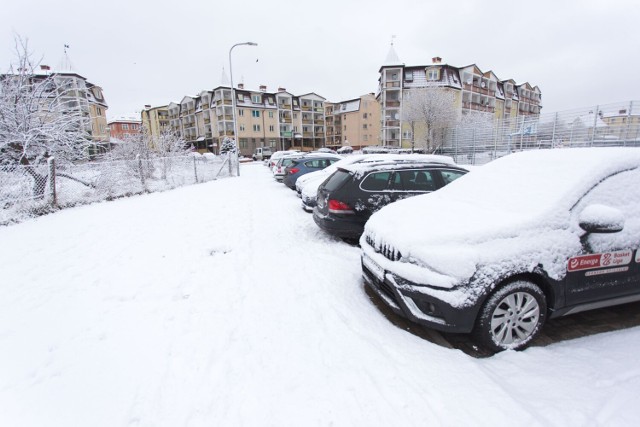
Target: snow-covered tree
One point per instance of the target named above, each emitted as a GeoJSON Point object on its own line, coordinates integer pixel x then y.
{"type": "Point", "coordinates": [426, 110]}
{"type": "Point", "coordinates": [228, 146]}
{"type": "Point", "coordinates": [37, 120]}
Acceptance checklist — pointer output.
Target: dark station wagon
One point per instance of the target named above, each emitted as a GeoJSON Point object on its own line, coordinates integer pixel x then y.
{"type": "Point", "coordinates": [347, 199]}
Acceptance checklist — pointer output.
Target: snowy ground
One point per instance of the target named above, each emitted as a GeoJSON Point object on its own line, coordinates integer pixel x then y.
{"type": "Point", "coordinates": [223, 304]}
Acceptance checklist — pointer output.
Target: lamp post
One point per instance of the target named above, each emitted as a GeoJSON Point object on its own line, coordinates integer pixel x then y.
{"type": "Point", "coordinates": [233, 100]}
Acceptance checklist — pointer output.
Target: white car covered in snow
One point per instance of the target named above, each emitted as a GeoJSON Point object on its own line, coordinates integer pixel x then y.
{"type": "Point", "coordinates": [530, 236]}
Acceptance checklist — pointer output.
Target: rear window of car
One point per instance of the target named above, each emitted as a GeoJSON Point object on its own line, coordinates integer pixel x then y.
{"type": "Point", "coordinates": [336, 180]}
{"type": "Point", "coordinates": [449, 176]}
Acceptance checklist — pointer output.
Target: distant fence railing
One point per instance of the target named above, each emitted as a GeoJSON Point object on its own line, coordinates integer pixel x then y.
{"type": "Point", "coordinates": [599, 126]}
{"type": "Point", "coordinates": [28, 191]}
{"type": "Point", "coordinates": [483, 140]}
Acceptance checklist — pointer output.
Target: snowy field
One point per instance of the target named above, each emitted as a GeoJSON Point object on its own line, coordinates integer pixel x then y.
{"type": "Point", "coordinates": [223, 304]}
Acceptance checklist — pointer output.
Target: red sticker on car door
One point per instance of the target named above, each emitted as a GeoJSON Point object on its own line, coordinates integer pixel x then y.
{"type": "Point", "coordinates": [604, 260]}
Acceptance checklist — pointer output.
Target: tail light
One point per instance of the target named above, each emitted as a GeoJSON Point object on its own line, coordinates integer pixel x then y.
{"type": "Point", "coordinates": [293, 171]}
{"type": "Point", "coordinates": [338, 207]}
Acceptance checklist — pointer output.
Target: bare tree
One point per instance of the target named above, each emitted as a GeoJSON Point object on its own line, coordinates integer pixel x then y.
{"type": "Point", "coordinates": [426, 110]}
{"type": "Point", "coordinates": [37, 119]}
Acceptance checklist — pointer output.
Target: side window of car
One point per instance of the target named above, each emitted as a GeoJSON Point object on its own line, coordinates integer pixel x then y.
{"type": "Point", "coordinates": [417, 180]}
{"type": "Point", "coordinates": [621, 192]}
{"type": "Point", "coordinates": [376, 181]}
{"type": "Point", "coordinates": [448, 176]}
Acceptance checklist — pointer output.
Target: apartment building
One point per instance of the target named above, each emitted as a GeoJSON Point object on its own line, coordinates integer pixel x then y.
{"type": "Point", "coordinates": [277, 119]}
{"type": "Point", "coordinates": [473, 92]}
{"type": "Point", "coordinates": [72, 94]}
{"type": "Point", "coordinates": [123, 128]}
{"type": "Point", "coordinates": [354, 123]}
{"type": "Point", "coordinates": [154, 121]}
{"type": "Point", "coordinates": [623, 124]}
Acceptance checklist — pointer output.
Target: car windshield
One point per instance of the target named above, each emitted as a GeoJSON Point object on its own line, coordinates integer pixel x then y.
{"type": "Point", "coordinates": [533, 182]}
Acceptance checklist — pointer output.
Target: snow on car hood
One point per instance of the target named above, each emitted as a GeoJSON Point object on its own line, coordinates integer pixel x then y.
{"type": "Point", "coordinates": [514, 210]}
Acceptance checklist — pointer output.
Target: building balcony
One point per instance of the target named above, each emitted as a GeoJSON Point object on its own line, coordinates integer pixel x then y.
{"type": "Point", "coordinates": [392, 85]}
{"type": "Point", "coordinates": [392, 104]}
{"type": "Point", "coordinates": [284, 106]}
{"type": "Point", "coordinates": [306, 108]}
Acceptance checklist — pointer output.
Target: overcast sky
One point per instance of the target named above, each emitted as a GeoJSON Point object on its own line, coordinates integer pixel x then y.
{"type": "Point", "coordinates": [579, 52]}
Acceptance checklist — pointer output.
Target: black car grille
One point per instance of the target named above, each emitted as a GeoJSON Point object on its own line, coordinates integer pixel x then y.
{"type": "Point", "coordinates": [384, 249]}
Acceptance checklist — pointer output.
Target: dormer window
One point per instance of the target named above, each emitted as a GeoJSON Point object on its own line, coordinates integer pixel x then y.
{"type": "Point", "coordinates": [241, 97]}
{"type": "Point", "coordinates": [257, 99]}
{"type": "Point", "coordinates": [433, 74]}
{"type": "Point", "coordinates": [408, 76]}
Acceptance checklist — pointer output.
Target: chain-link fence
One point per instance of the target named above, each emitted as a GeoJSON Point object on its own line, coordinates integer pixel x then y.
{"type": "Point", "coordinates": [602, 125]}
{"type": "Point", "coordinates": [28, 191]}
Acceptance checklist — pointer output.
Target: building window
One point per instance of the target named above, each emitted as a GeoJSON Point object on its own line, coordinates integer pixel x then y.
{"type": "Point", "coordinates": [271, 114]}
{"type": "Point", "coordinates": [365, 137]}
{"type": "Point", "coordinates": [295, 115]}
{"type": "Point", "coordinates": [241, 128]}
{"type": "Point", "coordinates": [257, 99]}
{"type": "Point", "coordinates": [243, 142]}
{"type": "Point", "coordinates": [241, 112]}
{"type": "Point", "coordinates": [364, 126]}
{"type": "Point", "coordinates": [433, 74]}
{"type": "Point", "coordinates": [256, 128]}
{"type": "Point", "coordinates": [364, 115]}
{"type": "Point", "coordinates": [408, 76]}
{"type": "Point", "coordinates": [125, 126]}
{"type": "Point", "coordinates": [271, 128]}
{"type": "Point", "coordinates": [255, 113]}
{"type": "Point", "coordinates": [241, 97]}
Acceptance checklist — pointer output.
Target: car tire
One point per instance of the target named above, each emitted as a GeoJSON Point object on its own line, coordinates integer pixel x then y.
{"type": "Point", "coordinates": [511, 317]}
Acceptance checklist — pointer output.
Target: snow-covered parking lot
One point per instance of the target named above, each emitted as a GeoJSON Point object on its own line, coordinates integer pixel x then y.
{"type": "Point", "coordinates": [223, 304]}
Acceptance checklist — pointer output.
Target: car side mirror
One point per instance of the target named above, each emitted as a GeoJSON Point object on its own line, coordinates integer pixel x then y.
{"type": "Point", "coordinates": [601, 219]}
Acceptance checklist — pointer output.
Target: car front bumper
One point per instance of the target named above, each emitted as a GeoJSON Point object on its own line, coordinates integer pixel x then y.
{"type": "Point", "coordinates": [413, 303]}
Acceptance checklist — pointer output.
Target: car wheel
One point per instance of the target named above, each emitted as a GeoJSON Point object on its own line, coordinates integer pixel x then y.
{"type": "Point", "coordinates": [511, 317]}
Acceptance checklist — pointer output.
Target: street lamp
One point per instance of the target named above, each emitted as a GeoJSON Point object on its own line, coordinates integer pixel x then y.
{"type": "Point", "coordinates": [233, 100]}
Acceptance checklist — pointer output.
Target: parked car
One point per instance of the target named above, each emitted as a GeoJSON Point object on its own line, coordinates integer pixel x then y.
{"type": "Point", "coordinates": [273, 160]}
{"type": "Point", "coordinates": [529, 236]}
{"type": "Point", "coordinates": [307, 186]}
{"type": "Point", "coordinates": [280, 169]}
{"type": "Point", "coordinates": [347, 199]}
{"type": "Point", "coordinates": [305, 165]}
{"type": "Point", "coordinates": [261, 153]}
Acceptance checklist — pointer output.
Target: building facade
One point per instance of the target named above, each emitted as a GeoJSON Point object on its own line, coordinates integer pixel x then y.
{"type": "Point", "coordinates": [277, 119]}
{"type": "Point", "coordinates": [472, 92]}
{"type": "Point", "coordinates": [354, 123]}
{"type": "Point", "coordinates": [155, 121]}
{"type": "Point", "coordinates": [121, 129]}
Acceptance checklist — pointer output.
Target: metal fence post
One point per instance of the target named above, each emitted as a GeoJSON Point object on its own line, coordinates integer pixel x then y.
{"type": "Point", "coordinates": [51, 163]}
{"type": "Point", "coordinates": [595, 125]}
{"type": "Point", "coordinates": [139, 159]}
{"type": "Point", "coordinates": [195, 169]}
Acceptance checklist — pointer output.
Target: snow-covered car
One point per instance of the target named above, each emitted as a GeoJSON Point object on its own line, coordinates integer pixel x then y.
{"type": "Point", "coordinates": [530, 236]}
{"type": "Point", "coordinates": [273, 160]}
{"type": "Point", "coordinates": [280, 169]}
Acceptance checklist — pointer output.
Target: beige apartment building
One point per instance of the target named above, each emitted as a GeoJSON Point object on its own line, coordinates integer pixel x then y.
{"type": "Point", "coordinates": [354, 123]}
{"type": "Point", "coordinates": [472, 92]}
{"type": "Point", "coordinates": [154, 121]}
{"type": "Point", "coordinates": [276, 119]}
{"type": "Point", "coordinates": [623, 124]}
{"type": "Point", "coordinates": [74, 94]}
